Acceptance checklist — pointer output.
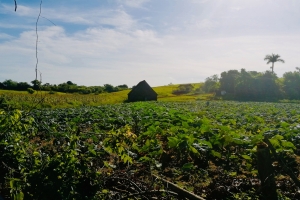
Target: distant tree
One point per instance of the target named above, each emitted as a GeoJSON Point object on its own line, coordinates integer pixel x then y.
{"type": "Point", "coordinates": [23, 86]}
{"type": "Point", "coordinates": [109, 88]}
{"type": "Point", "coordinates": [250, 85]}
{"type": "Point", "coordinates": [228, 81]}
{"type": "Point", "coordinates": [272, 59]}
{"type": "Point", "coordinates": [245, 88]}
{"type": "Point", "coordinates": [47, 87]}
{"type": "Point", "coordinates": [62, 87]}
{"type": "Point", "coordinates": [54, 87]}
{"type": "Point", "coordinates": [124, 86]}
{"type": "Point", "coordinates": [269, 86]}
{"type": "Point", "coordinates": [254, 73]}
{"type": "Point", "coordinates": [97, 89]}
{"type": "Point", "coordinates": [86, 91]}
{"type": "Point", "coordinates": [10, 84]}
{"type": "Point", "coordinates": [291, 84]}
{"type": "Point", "coordinates": [36, 84]}
{"type": "Point", "coordinates": [211, 84]}
{"type": "Point", "coordinates": [183, 89]}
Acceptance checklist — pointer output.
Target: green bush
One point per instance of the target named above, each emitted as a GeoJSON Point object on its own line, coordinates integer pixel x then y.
{"type": "Point", "coordinates": [183, 89]}
{"type": "Point", "coordinates": [30, 90]}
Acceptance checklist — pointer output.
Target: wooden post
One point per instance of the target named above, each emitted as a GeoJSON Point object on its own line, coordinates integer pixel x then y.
{"type": "Point", "coordinates": [266, 172]}
{"type": "Point", "coordinates": [182, 193]}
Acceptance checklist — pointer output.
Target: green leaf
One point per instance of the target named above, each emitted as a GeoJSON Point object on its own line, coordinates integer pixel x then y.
{"type": "Point", "coordinates": [92, 151]}
{"type": "Point", "coordinates": [185, 125]}
{"type": "Point", "coordinates": [120, 149]}
{"type": "Point", "coordinates": [135, 146]}
{"type": "Point", "coordinates": [216, 154]}
{"type": "Point", "coordinates": [257, 138]}
{"type": "Point", "coordinates": [194, 150]}
{"type": "Point", "coordinates": [147, 143]}
{"type": "Point", "coordinates": [278, 137]}
{"type": "Point", "coordinates": [238, 141]}
{"type": "Point", "coordinates": [206, 143]}
{"type": "Point", "coordinates": [126, 158]}
{"type": "Point", "coordinates": [187, 166]}
{"type": "Point", "coordinates": [246, 157]}
{"type": "Point", "coordinates": [19, 196]}
{"type": "Point", "coordinates": [275, 143]}
{"type": "Point", "coordinates": [173, 141]}
{"type": "Point", "coordinates": [284, 124]}
{"type": "Point", "coordinates": [249, 166]}
{"type": "Point", "coordinates": [11, 183]}
{"type": "Point", "coordinates": [254, 172]}
{"type": "Point", "coordinates": [144, 159]}
{"type": "Point", "coordinates": [233, 157]}
{"type": "Point", "coordinates": [287, 144]}
{"type": "Point", "coordinates": [104, 191]}
{"type": "Point", "coordinates": [232, 173]}
{"type": "Point", "coordinates": [204, 128]}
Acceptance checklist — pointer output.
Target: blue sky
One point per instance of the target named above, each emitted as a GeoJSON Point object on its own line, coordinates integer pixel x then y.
{"type": "Point", "coordinates": [161, 41]}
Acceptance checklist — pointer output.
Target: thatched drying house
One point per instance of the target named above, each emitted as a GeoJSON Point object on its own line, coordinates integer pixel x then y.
{"type": "Point", "coordinates": [142, 92]}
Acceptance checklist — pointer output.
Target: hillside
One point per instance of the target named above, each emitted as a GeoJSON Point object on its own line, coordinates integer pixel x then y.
{"type": "Point", "coordinates": [23, 99]}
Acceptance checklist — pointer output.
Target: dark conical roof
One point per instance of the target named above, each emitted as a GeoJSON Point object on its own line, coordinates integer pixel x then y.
{"type": "Point", "coordinates": [142, 92]}
{"type": "Point", "coordinates": [143, 85]}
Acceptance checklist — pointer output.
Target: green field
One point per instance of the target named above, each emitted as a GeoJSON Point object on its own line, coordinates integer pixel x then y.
{"type": "Point", "coordinates": [118, 151]}
{"type": "Point", "coordinates": [42, 99]}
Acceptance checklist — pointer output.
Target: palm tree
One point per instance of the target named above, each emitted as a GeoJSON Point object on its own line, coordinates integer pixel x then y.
{"type": "Point", "coordinates": [273, 59]}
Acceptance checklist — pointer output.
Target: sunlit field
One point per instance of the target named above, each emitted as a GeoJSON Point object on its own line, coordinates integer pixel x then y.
{"type": "Point", "coordinates": [43, 99]}
{"type": "Point", "coordinates": [122, 151]}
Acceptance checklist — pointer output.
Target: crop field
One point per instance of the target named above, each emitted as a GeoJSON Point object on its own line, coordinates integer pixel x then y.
{"type": "Point", "coordinates": [23, 100]}
{"type": "Point", "coordinates": [146, 150]}
{"type": "Point", "coordinates": [43, 99]}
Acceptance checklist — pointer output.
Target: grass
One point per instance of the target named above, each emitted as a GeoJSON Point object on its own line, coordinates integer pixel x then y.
{"type": "Point", "coordinates": [25, 92]}
{"type": "Point", "coordinates": [23, 99]}
{"type": "Point", "coordinates": [12, 92]}
{"type": "Point", "coordinates": [166, 91]}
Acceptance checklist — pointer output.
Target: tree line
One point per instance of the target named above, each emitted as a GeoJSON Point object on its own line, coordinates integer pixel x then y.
{"type": "Point", "coordinates": [67, 87]}
{"type": "Point", "coordinates": [253, 85]}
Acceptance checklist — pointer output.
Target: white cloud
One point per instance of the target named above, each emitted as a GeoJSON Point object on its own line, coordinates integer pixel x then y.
{"type": "Point", "coordinates": [15, 26]}
{"type": "Point", "coordinates": [117, 18]}
{"type": "Point", "coordinates": [5, 36]}
{"type": "Point", "coordinates": [21, 10]}
{"type": "Point", "coordinates": [97, 56]}
{"type": "Point", "coordinates": [112, 46]}
{"type": "Point", "coordinates": [4, 8]}
{"type": "Point", "coordinates": [26, 11]}
{"type": "Point", "coordinates": [199, 1]}
{"type": "Point", "coordinates": [204, 24]}
{"type": "Point", "coordinates": [134, 3]}
{"type": "Point", "coordinates": [236, 8]}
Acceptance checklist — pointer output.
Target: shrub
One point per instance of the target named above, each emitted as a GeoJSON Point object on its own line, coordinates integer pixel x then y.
{"type": "Point", "coordinates": [30, 90]}
{"type": "Point", "coordinates": [183, 89]}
